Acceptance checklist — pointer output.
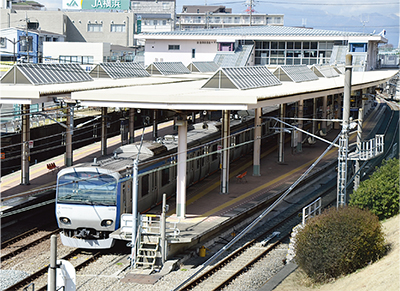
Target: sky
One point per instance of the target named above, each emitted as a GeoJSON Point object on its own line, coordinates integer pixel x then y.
{"type": "Point", "coordinates": [342, 15]}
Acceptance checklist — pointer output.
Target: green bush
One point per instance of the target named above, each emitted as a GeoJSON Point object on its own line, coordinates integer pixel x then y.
{"type": "Point", "coordinates": [339, 242]}
{"type": "Point", "coordinates": [380, 193]}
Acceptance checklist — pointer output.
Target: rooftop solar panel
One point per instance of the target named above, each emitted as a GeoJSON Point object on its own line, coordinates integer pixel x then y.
{"type": "Point", "coordinates": [44, 74]}
{"type": "Point", "coordinates": [295, 73]}
{"type": "Point", "coordinates": [119, 70]}
{"type": "Point", "coordinates": [167, 68]}
{"type": "Point", "coordinates": [242, 78]}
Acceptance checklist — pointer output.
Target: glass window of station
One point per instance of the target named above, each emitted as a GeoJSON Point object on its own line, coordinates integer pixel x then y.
{"type": "Point", "coordinates": [293, 52]}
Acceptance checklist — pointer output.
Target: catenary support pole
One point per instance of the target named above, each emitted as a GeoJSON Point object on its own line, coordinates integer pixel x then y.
{"type": "Point", "coordinates": [344, 136]}
{"type": "Point", "coordinates": [357, 162]}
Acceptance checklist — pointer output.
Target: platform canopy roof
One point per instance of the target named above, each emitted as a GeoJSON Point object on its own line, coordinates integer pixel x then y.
{"type": "Point", "coordinates": [184, 92]}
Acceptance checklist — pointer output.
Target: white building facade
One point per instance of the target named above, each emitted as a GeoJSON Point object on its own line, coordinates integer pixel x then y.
{"type": "Point", "coordinates": [270, 45]}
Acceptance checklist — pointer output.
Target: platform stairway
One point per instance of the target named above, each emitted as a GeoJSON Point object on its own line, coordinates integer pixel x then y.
{"type": "Point", "coordinates": [148, 253]}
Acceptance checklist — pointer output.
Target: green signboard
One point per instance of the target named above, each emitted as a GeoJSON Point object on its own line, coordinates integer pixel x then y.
{"type": "Point", "coordinates": [97, 4]}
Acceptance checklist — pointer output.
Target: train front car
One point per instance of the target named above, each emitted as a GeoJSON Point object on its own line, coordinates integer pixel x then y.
{"type": "Point", "coordinates": [86, 207]}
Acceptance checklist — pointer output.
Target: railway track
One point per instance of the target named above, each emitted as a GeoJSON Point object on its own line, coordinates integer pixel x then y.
{"type": "Point", "coordinates": [40, 275]}
{"type": "Point", "coordinates": [246, 255]}
{"type": "Point", "coordinates": [19, 244]}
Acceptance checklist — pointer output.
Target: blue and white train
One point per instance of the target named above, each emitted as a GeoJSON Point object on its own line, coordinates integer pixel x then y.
{"type": "Point", "coordinates": [91, 197]}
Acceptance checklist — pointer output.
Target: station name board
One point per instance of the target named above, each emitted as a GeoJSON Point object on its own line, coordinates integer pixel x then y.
{"type": "Point", "coordinates": [96, 4]}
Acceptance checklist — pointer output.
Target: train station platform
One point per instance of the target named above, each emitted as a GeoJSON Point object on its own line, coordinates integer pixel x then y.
{"type": "Point", "coordinates": [207, 210]}
{"type": "Point", "coordinates": [42, 178]}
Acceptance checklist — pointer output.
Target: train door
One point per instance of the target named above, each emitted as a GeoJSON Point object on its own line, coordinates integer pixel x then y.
{"type": "Point", "coordinates": [214, 158]}
{"type": "Point", "coordinates": [189, 169]}
{"type": "Point", "coordinates": [126, 197]}
{"type": "Point", "coordinates": [196, 166]}
{"type": "Point", "coordinates": [154, 187]}
{"type": "Point", "coordinates": [205, 163]}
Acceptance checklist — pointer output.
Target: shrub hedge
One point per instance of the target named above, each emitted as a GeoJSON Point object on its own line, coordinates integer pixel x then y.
{"type": "Point", "coordinates": [380, 193]}
{"type": "Point", "coordinates": [338, 242]}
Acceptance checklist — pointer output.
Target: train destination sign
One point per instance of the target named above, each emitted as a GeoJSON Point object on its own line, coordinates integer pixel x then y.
{"type": "Point", "coordinates": [96, 4]}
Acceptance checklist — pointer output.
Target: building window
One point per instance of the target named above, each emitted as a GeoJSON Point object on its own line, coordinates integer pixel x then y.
{"type": "Point", "coordinates": [94, 27]}
{"type": "Point", "coordinates": [117, 28]}
{"type": "Point", "coordinates": [226, 47]}
{"type": "Point", "coordinates": [3, 42]}
{"type": "Point", "coordinates": [358, 47]}
{"type": "Point", "coordinates": [165, 6]}
{"type": "Point", "coordinates": [76, 59]}
{"type": "Point", "coordinates": [174, 47]}
{"type": "Point", "coordinates": [193, 53]}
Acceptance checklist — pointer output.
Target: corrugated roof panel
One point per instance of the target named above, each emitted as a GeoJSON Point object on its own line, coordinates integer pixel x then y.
{"type": "Point", "coordinates": [324, 71]}
{"type": "Point", "coordinates": [167, 68]}
{"type": "Point", "coordinates": [44, 74]}
{"type": "Point", "coordinates": [295, 73]}
{"type": "Point", "coordinates": [119, 70]}
{"type": "Point", "coordinates": [242, 78]}
{"type": "Point", "coordinates": [261, 30]}
{"type": "Point", "coordinates": [203, 67]}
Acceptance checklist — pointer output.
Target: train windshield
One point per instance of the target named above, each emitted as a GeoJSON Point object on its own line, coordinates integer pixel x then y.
{"type": "Point", "coordinates": [87, 188]}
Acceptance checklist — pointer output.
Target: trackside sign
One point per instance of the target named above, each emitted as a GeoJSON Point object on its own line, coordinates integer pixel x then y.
{"type": "Point", "coordinates": [96, 4]}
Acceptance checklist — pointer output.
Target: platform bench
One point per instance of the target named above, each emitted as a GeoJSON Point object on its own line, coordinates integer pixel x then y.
{"type": "Point", "coordinates": [241, 177]}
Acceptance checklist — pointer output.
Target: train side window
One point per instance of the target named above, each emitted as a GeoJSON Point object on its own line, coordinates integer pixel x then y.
{"type": "Point", "coordinates": [145, 185]}
{"type": "Point", "coordinates": [165, 177]}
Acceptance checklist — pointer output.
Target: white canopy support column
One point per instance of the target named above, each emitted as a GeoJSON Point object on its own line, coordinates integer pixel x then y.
{"type": "Point", "coordinates": [257, 142]}
{"type": "Point", "coordinates": [181, 175]}
{"type": "Point", "coordinates": [70, 128]}
{"type": "Point", "coordinates": [104, 131]}
{"type": "Point", "coordinates": [337, 101]}
{"type": "Point", "coordinates": [25, 147]}
{"type": "Point", "coordinates": [299, 134]}
{"type": "Point", "coordinates": [131, 125]}
{"type": "Point", "coordinates": [281, 158]}
{"type": "Point", "coordinates": [225, 151]}
{"type": "Point", "coordinates": [324, 114]}
{"type": "Point", "coordinates": [155, 122]}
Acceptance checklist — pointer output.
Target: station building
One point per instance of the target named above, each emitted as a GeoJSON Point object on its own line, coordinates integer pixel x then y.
{"type": "Point", "coordinates": [263, 45]}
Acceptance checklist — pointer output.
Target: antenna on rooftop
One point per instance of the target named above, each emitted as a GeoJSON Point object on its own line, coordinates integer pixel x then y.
{"type": "Point", "coordinates": [364, 21]}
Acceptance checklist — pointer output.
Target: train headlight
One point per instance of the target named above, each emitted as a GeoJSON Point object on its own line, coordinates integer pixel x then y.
{"type": "Point", "coordinates": [65, 220]}
{"type": "Point", "coordinates": [107, 222]}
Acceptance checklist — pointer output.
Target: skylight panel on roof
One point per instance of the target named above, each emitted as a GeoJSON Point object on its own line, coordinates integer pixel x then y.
{"type": "Point", "coordinates": [45, 74]}
{"type": "Point", "coordinates": [203, 67]}
{"type": "Point", "coordinates": [325, 71]}
{"type": "Point", "coordinates": [295, 73]}
{"type": "Point", "coordinates": [119, 70]}
{"type": "Point", "coordinates": [242, 78]}
{"type": "Point", "coordinates": [167, 68]}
